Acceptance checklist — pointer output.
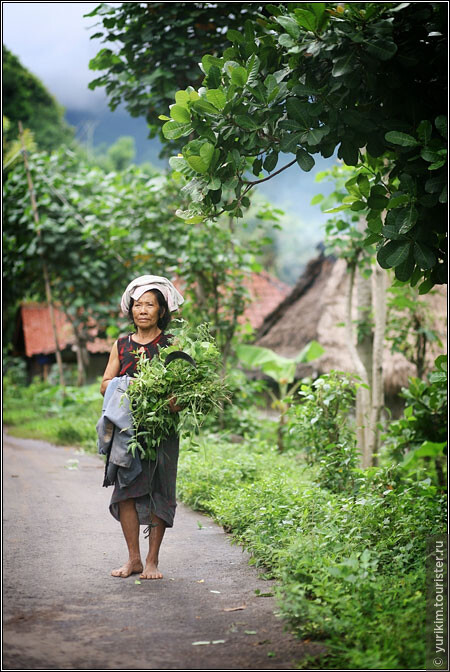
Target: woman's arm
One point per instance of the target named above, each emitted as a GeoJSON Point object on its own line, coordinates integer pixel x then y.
{"type": "Point", "coordinates": [112, 368]}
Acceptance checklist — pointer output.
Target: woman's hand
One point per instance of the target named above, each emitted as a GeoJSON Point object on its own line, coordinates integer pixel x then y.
{"type": "Point", "coordinates": [173, 405]}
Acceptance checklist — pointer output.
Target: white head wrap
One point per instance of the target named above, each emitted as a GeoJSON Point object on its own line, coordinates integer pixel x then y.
{"type": "Point", "coordinates": [140, 285]}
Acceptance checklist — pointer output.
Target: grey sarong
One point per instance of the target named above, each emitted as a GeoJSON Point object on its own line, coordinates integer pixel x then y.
{"type": "Point", "coordinates": [154, 489]}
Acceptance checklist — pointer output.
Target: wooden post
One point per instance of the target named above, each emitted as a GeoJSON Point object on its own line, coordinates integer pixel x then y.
{"type": "Point", "coordinates": [48, 291]}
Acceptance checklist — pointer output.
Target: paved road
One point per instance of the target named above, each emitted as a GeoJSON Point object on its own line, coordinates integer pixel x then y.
{"type": "Point", "coordinates": [63, 610]}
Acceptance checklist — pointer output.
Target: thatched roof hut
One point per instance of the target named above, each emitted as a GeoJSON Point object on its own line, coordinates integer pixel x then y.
{"type": "Point", "coordinates": [315, 310]}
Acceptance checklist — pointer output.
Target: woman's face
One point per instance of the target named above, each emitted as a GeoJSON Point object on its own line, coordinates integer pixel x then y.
{"type": "Point", "coordinates": [146, 311]}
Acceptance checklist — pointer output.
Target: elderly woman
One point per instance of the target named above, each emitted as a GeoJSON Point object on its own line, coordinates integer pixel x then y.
{"type": "Point", "coordinates": [149, 499]}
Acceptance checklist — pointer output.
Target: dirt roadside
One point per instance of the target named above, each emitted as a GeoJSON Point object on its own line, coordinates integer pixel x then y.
{"type": "Point", "coordinates": [62, 609]}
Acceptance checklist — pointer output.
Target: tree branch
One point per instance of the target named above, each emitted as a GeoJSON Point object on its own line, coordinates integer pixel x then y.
{"type": "Point", "coordinates": [269, 177]}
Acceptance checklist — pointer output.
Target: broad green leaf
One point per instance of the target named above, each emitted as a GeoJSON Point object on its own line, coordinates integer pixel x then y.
{"type": "Point", "coordinates": [424, 256]}
{"type": "Point", "coordinates": [182, 98]}
{"type": "Point", "coordinates": [291, 125]}
{"type": "Point", "coordinates": [441, 362]}
{"type": "Point", "coordinates": [305, 160]}
{"type": "Point", "coordinates": [344, 65]}
{"type": "Point", "coordinates": [426, 449]}
{"type": "Point", "coordinates": [246, 122]}
{"type": "Point", "coordinates": [235, 36]}
{"type": "Point", "coordinates": [397, 201]}
{"type": "Point", "coordinates": [208, 61]}
{"type": "Point", "coordinates": [289, 142]}
{"type": "Point", "coordinates": [441, 125]}
{"type": "Point", "coordinates": [435, 184]}
{"type": "Point", "coordinates": [381, 48]}
{"type": "Point", "coordinates": [270, 161]}
{"type": "Point", "coordinates": [404, 270]}
{"type": "Point", "coordinates": [214, 183]}
{"type": "Point", "coordinates": [290, 25]}
{"type": "Point", "coordinates": [348, 152]}
{"type": "Point", "coordinates": [217, 98]}
{"type": "Point", "coordinates": [313, 350]}
{"type": "Point", "coordinates": [315, 135]}
{"type": "Point", "coordinates": [377, 202]}
{"type": "Point", "coordinates": [174, 129]}
{"type": "Point", "coordinates": [375, 225]}
{"type": "Point", "coordinates": [180, 113]}
{"type": "Point", "coordinates": [239, 76]}
{"type": "Point", "coordinates": [403, 139]}
{"type": "Point", "coordinates": [281, 369]}
{"type": "Point", "coordinates": [299, 111]}
{"type": "Point", "coordinates": [207, 152]}
{"type": "Point", "coordinates": [407, 218]}
{"type": "Point", "coordinates": [306, 19]}
{"type": "Point", "coordinates": [252, 67]}
{"type": "Point", "coordinates": [358, 205]}
{"type": "Point", "coordinates": [391, 231]}
{"type": "Point", "coordinates": [214, 78]}
{"type": "Point", "coordinates": [424, 131]}
{"type": "Point", "coordinates": [197, 163]}
{"type": "Point", "coordinates": [318, 198]}
{"type": "Point", "coordinates": [431, 155]}
{"type": "Point", "coordinates": [393, 253]}
{"type": "Point", "coordinates": [286, 41]}
{"type": "Point", "coordinates": [425, 287]}
{"type": "Point", "coordinates": [364, 185]}
{"type": "Point", "coordinates": [202, 106]}
{"type": "Point", "coordinates": [339, 208]}
{"type": "Point", "coordinates": [177, 163]}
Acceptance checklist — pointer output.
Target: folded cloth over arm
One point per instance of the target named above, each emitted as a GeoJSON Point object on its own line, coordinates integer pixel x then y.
{"type": "Point", "coordinates": [114, 431]}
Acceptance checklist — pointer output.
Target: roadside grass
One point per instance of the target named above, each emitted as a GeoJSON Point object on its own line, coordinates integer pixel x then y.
{"type": "Point", "coordinates": [39, 411]}
{"type": "Point", "coordinates": [350, 566]}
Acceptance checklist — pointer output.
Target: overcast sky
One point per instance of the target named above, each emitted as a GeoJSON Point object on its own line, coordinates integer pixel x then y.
{"type": "Point", "coordinates": [51, 39]}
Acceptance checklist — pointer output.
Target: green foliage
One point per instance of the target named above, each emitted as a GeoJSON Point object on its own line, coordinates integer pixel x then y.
{"type": "Point", "coordinates": [410, 324]}
{"type": "Point", "coordinates": [281, 369]}
{"type": "Point", "coordinates": [154, 49]}
{"type": "Point", "coordinates": [351, 566]}
{"type": "Point", "coordinates": [27, 100]}
{"type": "Point", "coordinates": [12, 148]}
{"type": "Point", "coordinates": [315, 79]}
{"type": "Point", "coordinates": [197, 390]}
{"type": "Point", "coordinates": [319, 426]}
{"type": "Point", "coordinates": [419, 438]}
{"type": "Point", "coordinates": [95, 229]}
{"type": "Point", "coordinates": [41, 411]}
{"type": "Point", "coordinates": [239, 417]}
{"type": "Point", "coordinates": [99, 227]}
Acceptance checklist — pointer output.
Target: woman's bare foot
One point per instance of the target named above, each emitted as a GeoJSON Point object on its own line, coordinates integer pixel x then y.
{"type": "Point", "coordinates": [151, 572]}
{"type": "Point", "coordinates": [130, 567]}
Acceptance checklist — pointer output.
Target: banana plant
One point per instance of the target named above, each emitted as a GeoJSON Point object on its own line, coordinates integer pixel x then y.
{"type": "Point", "coordinates": [281, 370]}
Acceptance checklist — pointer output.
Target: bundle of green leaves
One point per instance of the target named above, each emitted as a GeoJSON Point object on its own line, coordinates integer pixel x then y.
{"type": "Point", "coordinates": [198, 390]}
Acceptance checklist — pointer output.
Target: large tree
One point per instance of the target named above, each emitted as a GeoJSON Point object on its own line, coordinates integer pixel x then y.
{"type": "Point", "coordinates": [153, 50]}
{"type": "Point", "coordinates": [367, 80]}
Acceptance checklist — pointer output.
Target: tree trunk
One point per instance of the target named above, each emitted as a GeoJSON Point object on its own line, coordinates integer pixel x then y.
{"type": "Point", "coordinates": [365, 322]}
{"type": "Point", "coordinates": [380, 313]}
{"type": "Point", "coordinates": [363, 395]}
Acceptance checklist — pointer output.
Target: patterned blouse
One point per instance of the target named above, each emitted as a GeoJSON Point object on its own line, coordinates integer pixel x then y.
{"type": "Point", "coordinates": [127, 347]}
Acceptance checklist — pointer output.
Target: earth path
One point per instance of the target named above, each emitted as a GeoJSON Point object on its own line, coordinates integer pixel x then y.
{"type": "Point", "coordinates": [63, 610]}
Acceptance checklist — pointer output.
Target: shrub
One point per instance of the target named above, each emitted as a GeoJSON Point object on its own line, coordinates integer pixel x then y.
{"type": "Point", "coordinates": [319, 425]}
